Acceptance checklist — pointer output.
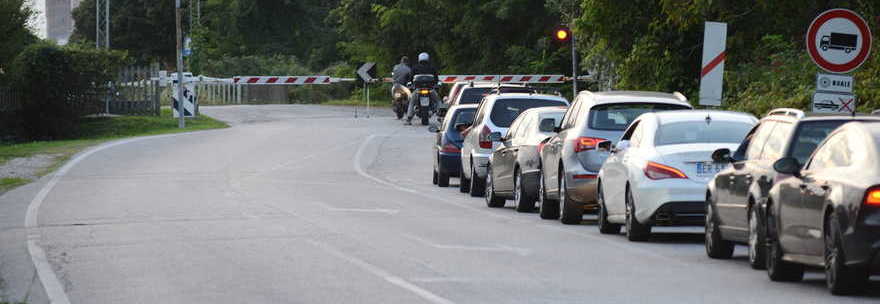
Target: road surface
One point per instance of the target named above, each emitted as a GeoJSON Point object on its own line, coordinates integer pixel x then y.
{"type": "Point", "coordinates": [305, 204]}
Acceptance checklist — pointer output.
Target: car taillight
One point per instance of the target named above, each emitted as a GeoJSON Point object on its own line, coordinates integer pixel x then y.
{"type": "Point", "coordinates": [485, 143]}
{"type": "Point", "coordinates": [657, 171]}
{"type": "Point", "coordinates": [450, 148]}
{"type": "Point", "coordinates": [586, 143]}
{"type": "Point", "coordinates": [873, 197]}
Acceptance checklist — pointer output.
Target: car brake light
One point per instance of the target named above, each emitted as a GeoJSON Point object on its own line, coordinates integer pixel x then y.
{"type": "Point", "coordinates": [873, 197]}
{"type": "Point", "coordinates": [485, 143]}
{"type": "Point", "coordinates": [450, 148]}
{"type": "Point", "coordinates": [586, 143]}
{"type": "Point", "coordinates": [657, 171]}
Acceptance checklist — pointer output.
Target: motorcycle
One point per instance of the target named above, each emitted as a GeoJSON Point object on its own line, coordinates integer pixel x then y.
{"type": "Point", "coordinates": [425, 89]}
{"type": "Point", "coordinates": [400, 100]}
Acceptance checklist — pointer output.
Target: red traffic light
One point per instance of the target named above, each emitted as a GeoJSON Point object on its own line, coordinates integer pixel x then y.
{"type": "Point", "coordinates": [563, 34]}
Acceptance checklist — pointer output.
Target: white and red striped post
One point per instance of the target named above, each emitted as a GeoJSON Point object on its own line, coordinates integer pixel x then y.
{"type": "Point", "coordinates": [712, 72]}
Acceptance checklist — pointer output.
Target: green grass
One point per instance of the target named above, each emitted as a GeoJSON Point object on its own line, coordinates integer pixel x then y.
{"type": "Point", "coordinates": [8, 183]}
{"type": "Point", "coordinates": [97, 130]}
{"type": "Point", "coordinates": [359, 102]}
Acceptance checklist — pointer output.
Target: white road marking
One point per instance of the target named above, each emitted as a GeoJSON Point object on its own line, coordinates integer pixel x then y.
{"type": "Point", "coordinates": [51, 283]}
{"type": "Point", "coordinates": [385, 275]}
{"type": "Point", "coordinates": [497, 248]}
{"type": "Point", "coordinates": [329, 207]}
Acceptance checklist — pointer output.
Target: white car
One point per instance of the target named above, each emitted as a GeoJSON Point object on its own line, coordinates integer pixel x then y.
{"type": "Point", "coordinates": [658, 172]}
{"type": "Point", "coordinates": [493, 118]}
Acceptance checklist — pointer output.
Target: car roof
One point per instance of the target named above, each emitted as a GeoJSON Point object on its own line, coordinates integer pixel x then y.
{"type": "Point", "coordinates": [637, 97]}
{"type": "Point", "coordinates": [544, 110]}
{"type": "Point", "coordinates": [692, 115]}
{"type": "Point", "coordinates": [527, 96]}
{"type": "Point", "coordinates": [464, 106]}
{"type": "Point", "coordinates": [493, 85]}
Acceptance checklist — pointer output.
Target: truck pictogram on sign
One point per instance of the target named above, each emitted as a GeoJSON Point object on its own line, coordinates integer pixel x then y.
{"type": "Point", "coordinates": [839, 41]}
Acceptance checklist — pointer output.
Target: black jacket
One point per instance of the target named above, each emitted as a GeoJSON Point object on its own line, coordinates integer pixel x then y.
{"type": "Point", "coordinates": [424, 68]}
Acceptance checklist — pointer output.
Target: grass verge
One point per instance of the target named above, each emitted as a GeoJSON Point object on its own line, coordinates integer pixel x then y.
{"type": "Point", "coordinates": [98, 130]}
{"type": "Point", "coordinates": [8, 183]}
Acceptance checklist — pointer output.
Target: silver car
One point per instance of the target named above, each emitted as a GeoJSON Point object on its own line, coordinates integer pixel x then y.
{"type": "Point", "coordinates": [570, 161]}
{"type": "Point", "coordinates": [494, 116]}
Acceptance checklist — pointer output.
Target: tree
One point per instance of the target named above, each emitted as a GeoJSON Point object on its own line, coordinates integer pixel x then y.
{"type": "Point", "coordinates": [14, 34]}
{"type": "Point", "coordinates": [144, 28]}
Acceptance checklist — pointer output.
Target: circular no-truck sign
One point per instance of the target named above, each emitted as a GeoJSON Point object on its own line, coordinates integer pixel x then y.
{"type": "Point", "coordinates": [839, 40]}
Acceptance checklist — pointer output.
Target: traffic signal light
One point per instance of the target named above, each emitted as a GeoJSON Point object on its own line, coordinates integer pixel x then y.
{"type": "Point", "coordinates": [563, 34]}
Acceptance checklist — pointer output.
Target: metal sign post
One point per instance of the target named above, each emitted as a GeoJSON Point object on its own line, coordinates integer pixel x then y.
{"type": "Point", "coordinates": [181, 123]}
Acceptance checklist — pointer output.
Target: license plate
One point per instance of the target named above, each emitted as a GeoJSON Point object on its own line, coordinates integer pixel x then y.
{"type": "Point", "coordinates": [710, 168]}
{"type": "Point", "coordinates": [424, 101]}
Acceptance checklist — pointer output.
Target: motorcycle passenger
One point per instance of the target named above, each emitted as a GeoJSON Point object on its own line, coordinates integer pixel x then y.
{"type": "Point", "coordinates": [401, 74]}
{"type": "Point", "coordinates": [423, 67]}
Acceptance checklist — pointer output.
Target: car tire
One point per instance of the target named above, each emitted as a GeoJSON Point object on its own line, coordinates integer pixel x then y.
{"type": "Point", "coordinates": [716, 246]}
{"type": "Point", "coordinates": [434, 179]}
{"type": "Point", "coordinates": [757, 240]}
{"type": "Point", "coordinates": [605, 227]}
{"type": "Point", "coordinates": [492, 200]}
{"type": "Point", "coordinates": [477, 186]}
{"type": "Point", "coordinates": [463, 183]}
{"type": "Point", "coordinates": [425, 121]}
{"type": "Point", "coordinates": [635, 231]}
{"type": "Point", "coordinates": [778, 269]}
{"type": "Point", "coordinates": [840, 278]}
{"type": "Point", "coordinates": [571, 213]}
{"type": "Point", "coordinates": [548, 209]}
{"type": "Point", "coordinates": [521, 198]}
{"type": "Point", "coordinates": [442, 179]}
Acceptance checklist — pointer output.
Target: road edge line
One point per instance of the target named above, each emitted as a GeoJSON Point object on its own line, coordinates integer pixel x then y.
{"type": "Point", "coordinates": [48, 278]}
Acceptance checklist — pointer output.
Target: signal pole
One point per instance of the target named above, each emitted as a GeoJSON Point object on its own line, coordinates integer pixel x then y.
{"type": "Point", "coordinates": [574, 73]}
{"type": "Point", "coordinates": [102, 24]}
{"type": "Point", "coordinates": [181, 123]}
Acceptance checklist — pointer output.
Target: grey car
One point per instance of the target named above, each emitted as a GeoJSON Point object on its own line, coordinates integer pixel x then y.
{"type": "Point", "coordinates": [513, 171]}
{"type": "Point", "coordinates": [570, 161]}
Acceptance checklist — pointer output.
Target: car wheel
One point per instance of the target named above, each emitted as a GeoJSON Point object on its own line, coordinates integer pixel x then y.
{"type": "Point", "coordinates": [492, 200]}
{"type": "Point", "coordinates": [757, 240]}
{"type": "Point", "coordinates": [840, 278]}
{"type": "Point", "coordinates": [605, 227]}
{"type": "Point", "coordinates": [477, 186]}
{"type": "Point", "coordinates": [571, 213]}
{"type": "Point", "coordinates": [547, 208]}
{"type": "Point", "coordinates": [716, 246]}
{"type": "Point", "coordinates": [635, 231]}
{"type": "Point", "coordinates": [442, 179]}
{"type": "Point", "coordinates": [435, 177]}
{"type": "Point", "coordinates": [425, 121]}
{"type": "Point", "coordinates": [464, 185]}
{"type": "Point", "coordinates": [778, 269]}
{"type": "Point", "coordinates": [524, 202]}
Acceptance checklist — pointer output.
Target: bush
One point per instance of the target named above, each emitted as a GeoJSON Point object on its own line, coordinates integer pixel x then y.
{"type": "Point", "coordinates": [58, 86]}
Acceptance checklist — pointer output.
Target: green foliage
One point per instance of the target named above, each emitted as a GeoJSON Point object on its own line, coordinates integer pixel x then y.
{"type": "Point", "coordinates": [14, 35]}
{"type": "Point", "coordinates": [144, 28]}
{"type": "Point", "coordinates": [56, 86]}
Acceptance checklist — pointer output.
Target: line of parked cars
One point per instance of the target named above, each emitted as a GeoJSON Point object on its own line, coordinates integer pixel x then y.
{"type": "Point", "coordinates": [801, 191]}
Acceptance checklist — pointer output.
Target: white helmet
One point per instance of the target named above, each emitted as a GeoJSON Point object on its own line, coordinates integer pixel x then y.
{"type": "Point", "coordinates": [424, 57]}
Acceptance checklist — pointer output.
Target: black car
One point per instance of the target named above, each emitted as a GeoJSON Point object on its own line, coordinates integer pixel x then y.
{"type": "Point", "coordinates": [515, 166]}
{"type": "Point", "coordinates": [735, 196]}
{"type": "Point", "coordinates": [828, 213]}
{"type": "Point", "coordinates": [447, 147]}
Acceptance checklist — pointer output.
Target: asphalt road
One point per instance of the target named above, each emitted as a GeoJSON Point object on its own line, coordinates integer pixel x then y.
{"type": "Point", "coordinates": [305, 204]}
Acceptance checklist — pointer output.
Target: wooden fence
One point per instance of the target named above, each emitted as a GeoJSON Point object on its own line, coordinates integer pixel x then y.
{"type": "Point", "coordinates": [10, 99]}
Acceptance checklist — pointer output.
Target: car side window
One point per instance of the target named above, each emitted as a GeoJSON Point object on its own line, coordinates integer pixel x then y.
{"type": "Point", "coordinates": [525, 126]}
{"type": "Point", "coordinates": [631, 131]}
{"type": "Point", "coordinates": [572, 114]}
{"type": "Point", "coordinates": [740, 153]}
{"type": "Point", "coordinates": [515, 127]}
{"type": "Point", "coordinates": [834, 153]}
{"type": "Point", "coordinates": [481, 112]}
{"type": "Point", "coordinates": [776, 141]}
{"type": "Point", "coordinates": [759, 139]}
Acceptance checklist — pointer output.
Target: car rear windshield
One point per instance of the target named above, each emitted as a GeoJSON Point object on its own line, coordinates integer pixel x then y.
{"type": "Point", "coordinates": [702, 131]}
{"type": "Point", "coordinates": [473, 95]}
{"type": "Point", "coordinates": [506, 110]}
{"type": "Point", "coordinates": [463, 116]}
{"type": "Point", "coordinates": [617, 116]}
{"type": "Point", "coordinates": [809, 135]}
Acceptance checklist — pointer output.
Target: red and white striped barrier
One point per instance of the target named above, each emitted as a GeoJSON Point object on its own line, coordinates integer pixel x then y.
{"type": "Point", "coordinates": [503, 78]}
{"type": "Point", "coordinates": [282, 80]}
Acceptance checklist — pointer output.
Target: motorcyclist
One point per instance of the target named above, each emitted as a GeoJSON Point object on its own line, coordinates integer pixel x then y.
{"type": "Point", "coordinates": [401, 74]}
{"type": "Point", "coordinates": [422, 67]}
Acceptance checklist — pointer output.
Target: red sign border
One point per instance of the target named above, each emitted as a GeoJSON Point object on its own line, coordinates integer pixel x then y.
{"type": "Point", "coordinates": [814, 30]}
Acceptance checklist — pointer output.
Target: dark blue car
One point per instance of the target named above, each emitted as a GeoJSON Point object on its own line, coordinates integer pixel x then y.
{"type": "Point", "coordinates": [447, 146]}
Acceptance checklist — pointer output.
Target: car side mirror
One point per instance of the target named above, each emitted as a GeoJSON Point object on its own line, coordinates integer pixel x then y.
{"type": "Point", "coordinates": [605, 145]}
{"type": "Point", "coordinates": [495, 136]}
{"type": "Point", "coordinates": [722, 156]}
{"type": "Point", "coordinates": [547, 125]}
{"type": "Point", "coordinates": [788, 165]}
{"type": "Point", "coordinates": [433, 129]}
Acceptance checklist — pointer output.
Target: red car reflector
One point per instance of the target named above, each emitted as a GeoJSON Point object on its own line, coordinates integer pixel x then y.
{"type": "Point", "coordinates": [450, 148]}
{"type": "Point", "coordinates": [485, 143]}
{"type": "Point", "coordinates": [873, 197]}
{"type": "Point", "coordinates": [586, 143]}
{"type": "Point", "coordinates": [585, 176]}
{"type": "Point", "coordinates": [657, 171]}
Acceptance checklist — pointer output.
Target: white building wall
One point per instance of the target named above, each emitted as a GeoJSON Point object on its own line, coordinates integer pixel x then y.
{"type": "Point", "coordinates": [53, 19]}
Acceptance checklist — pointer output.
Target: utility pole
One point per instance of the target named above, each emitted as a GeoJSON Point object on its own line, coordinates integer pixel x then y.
{"type": "Point", "coordinates": [102, 24]}
{"type": "Point", "coordinates": [574, 72]}
{"type": "Point", "coordinates": [180, 108]}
